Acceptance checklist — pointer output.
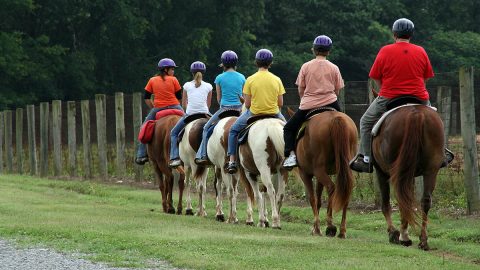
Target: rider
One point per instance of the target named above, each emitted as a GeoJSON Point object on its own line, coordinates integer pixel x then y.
{"type": "Point", "coordinates": [197, 96]}
{"type": "Point", "coordinates": [166, 95]}
{"type": "Point", "coordinates": [319, 82]}
{"type": "Point", "coordinates": [229, 86]}
{"type": "Point", "coordinates": [400, 69]}
{"type": "Point", "coordinates": [263, 93]}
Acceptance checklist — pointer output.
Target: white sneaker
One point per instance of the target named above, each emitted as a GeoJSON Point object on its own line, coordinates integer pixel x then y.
{"type": "Point", "coordinates": [290, 162]}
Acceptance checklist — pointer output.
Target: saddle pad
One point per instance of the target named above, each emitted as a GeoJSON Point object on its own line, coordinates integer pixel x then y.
{"type": "Point", "coordinates": [146, 132]}
{"type": "Point", "coordinates": [166, 112]}
{"type": "Point", "coordinates": [377, 125]}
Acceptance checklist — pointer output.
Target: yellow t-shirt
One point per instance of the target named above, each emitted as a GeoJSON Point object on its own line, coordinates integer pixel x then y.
{"type": "Point", "coordinates": [264, 87]}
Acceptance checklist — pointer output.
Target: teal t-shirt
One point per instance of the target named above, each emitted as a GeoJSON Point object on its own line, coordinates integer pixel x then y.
{"type": "Point", "coordinates": [231, 84]}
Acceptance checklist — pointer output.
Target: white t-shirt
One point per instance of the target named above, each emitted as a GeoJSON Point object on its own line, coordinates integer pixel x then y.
{"type": "Point", "coordinates": [197, 97]}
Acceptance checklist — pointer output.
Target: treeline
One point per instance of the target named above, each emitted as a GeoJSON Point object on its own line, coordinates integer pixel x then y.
{"type": "Point", "coordinates": [71, 50]}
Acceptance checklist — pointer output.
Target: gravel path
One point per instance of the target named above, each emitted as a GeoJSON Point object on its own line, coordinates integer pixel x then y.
{"type": "Point", "coordinates": [12, 257]}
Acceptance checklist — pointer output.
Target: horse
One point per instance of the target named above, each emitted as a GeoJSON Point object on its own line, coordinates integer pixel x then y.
{"type": "Point", "coordinates": [159, 153]}
{"type": "Point", "coordinates": [217, 153]}
{"type": "Point", "coordinates": [188, 148]}
{"type": "Point", "coordinates": [328, 144]}
{"type": "Point", "coordinates": [262, 155]}
{"type": "Point", "coordinates": [409, 143]}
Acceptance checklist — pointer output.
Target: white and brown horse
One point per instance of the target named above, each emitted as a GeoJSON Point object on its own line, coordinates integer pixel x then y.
{"type": "Point", "coordinates": [262, 155]}
{"type": "Point", "coordinates": [188, 146]}
{"type": "Point", "coordinates": [217, 153]}
{"type": "Point", "coordinates": [159, 153]}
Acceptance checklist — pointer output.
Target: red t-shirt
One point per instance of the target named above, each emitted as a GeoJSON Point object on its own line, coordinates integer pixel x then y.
{"type": "Point", "coordinates": [402, 68]}
{"type": "Point", "coordinates": [163, 91]}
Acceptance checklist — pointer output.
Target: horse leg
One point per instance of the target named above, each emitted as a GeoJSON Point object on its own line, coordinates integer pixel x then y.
{"type": "Point", "coordinates": [343, 225]}
{"type": "Point", "coordinates": [307, 181]}
{"type": "Point", "coordinates": [250, 195]}
{"type": "Point", "coordinates": [262, 221]}
{"type": "Point", "coordinates": [170, 182]}
{"type": "Point", "coordinates": [331, 229]}
{"type": "Point", "coordinates": [404, 237]}
{"type": "Point", "coordinates": [232, 192]}
{"type": "Point", "coordinates": [429, 181]}
{"type": "Point", "coordinates": [181, 188]}
{"type": "Point", "coordinates": [282, 177]}
{"type": "Point", "coordinates": [161, 186]}
{"type": "Point", "coordinates": [188, 172]}
{"type": "Point", "coordinates": [393, 233]}
{"type": "Point", "coordinates": [201, 189]}
{"type": "Point", "coordinates": [266, 177]}
{"type": "Point", "coordinates": [219, 181]}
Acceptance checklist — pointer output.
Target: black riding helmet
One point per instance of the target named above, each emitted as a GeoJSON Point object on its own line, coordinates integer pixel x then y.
{"type": "Point", "coordinates": [403, 28]}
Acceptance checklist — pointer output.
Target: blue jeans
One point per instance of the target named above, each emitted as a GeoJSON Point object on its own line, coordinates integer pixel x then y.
{"type": "Point", "coordinates": [174, 152]}
{"type": "Point", "coordinates": [202, 150]}
{"type": "Point", "coordinates": [240, 124]}
{"type": "Point", "coordinates": [142, 149]}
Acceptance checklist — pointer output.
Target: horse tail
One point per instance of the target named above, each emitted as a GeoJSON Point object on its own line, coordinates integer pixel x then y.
{"type": "Point", "coordinates": [402, 174]}
{"type": "Point", "coordinates": [341, 146]}
{"type": "Point", "coordinates": [276, 135]}
{"type": "Point", "coordinates": [199, 171]}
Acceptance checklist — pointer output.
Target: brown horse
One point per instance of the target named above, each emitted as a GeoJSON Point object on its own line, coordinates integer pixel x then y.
{"type": "Point", "coordinates": [159, 154]}
{"type": "Point", "coordinates": [329, 143]}
{"type": "Point", "coordinates": [410, 143]}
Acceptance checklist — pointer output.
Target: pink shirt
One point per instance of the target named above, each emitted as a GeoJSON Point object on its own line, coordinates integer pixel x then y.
{"type": "Point", "coordinates": [322, 81]}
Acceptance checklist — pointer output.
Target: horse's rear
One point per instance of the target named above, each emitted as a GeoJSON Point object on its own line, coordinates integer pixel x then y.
{"type": "Point", "coordinates": [410, 143]}
{"type": "Point", "coordinates": [159, 154]}
{"type": "Point", "coordinates": [262, 156]}
{"type": "Point", "coordinates": [188, 149]}
{"type": "Point", "coordinates": [329, 143]}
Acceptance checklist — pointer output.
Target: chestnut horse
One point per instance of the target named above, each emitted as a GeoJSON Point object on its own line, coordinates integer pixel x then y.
{"type": "Point", "coordinates": [159, 153]}
{"type": "Point", "coordinates": [188, 148]}
{"type": "Point", "coordinates": [327, 146]}
{"type": "Point", "coordinates": [410, 143]}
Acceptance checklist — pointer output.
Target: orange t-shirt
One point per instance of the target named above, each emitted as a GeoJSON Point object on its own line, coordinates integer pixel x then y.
{"type": "Point", "coordinates": [163, 91]}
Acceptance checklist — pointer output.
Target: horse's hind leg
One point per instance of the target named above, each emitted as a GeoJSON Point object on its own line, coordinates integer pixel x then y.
{"type": "Point", "coordinates": [393, 234]}
{"type": "Point", "coordinates": [181, 187]}
{"type": "Point", "coordinates": [266, 177]}
{"type": "Point", "coordinates": [170, 182]}
{"type": "Point", "coordinates": [188, 210]}
{"type": "Point", "coordinates": [218, 183]}
{"type": "Point", "coordinates": [161, 186]}
{"type": "Point", "coordinates": [429, 182]}
{"type": "Point", "coordinates": [324, 180]}
{"type": "Point", "coordinates": [262, 220]}
{"type": "Point", "coordinates": [282, 177]}
{"type": "Point", "coordinates": [307, 181]}
{"type": "Point", "coordinates": [232, 192]}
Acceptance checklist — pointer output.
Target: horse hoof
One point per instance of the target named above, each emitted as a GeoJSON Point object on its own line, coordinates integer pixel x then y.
{"type": "Point", "coordinates": [179, 211]}
{"type": "Point", "coordinates": [331, 231]}
{"type": "Point", "coordinates": [267, 225]}
{"type": "Point", "coordinates": [406, 243]}
{"type": "Point", "coordinates": [276, 227]}
{"type": "Point", "coordinates": [394, 236]}
{"type": "Point", "coordinates": [220, 218]}
{"type": "Point", "coordinates": [250, 223]}
{"type": "Point", "coordinates": [342, 236]}
{"type": "Point", "coordinates": [423, 246]}
{"type": "Point", "coordinates": [171, 211]}
{"type": "Point", "coordinates": [189, 212]}
{"type": "Point", "coordinates": [316, 232]}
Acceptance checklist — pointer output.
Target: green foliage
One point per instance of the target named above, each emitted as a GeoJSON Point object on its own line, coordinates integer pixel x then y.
{"type": "Point", "coordinates": [74, 49]}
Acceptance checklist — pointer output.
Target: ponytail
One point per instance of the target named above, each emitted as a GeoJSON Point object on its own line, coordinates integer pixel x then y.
{"type": "Point", "coordinates": [198, 79]}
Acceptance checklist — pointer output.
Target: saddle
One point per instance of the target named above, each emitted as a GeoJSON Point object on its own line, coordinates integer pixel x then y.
{"type": "Point", "coordinates": [396, 104]}
{"type": "Point", "coordinates": [146, 131]}
{"type": "Point", "coordinates": [310, 114]}
{"type": "Point", "coordinates": [190, 119]}
{"type": "Point", "coordinates": [243, 135]}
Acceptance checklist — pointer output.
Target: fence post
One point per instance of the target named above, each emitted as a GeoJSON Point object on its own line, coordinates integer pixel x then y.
{"type": "Point", "coordinates": [2, 132]}
{"type": "Point", "coordinates": [8, 141]}
{"type": "Point", "coordinates": [19, 139]}
{"type": "Point", "coordinates": [72, 138]}
{"type": "Point", "coordinates": [378, 196]}
{"type": "Point", "coordinates": [137, 122]}
{"type": "Point", "coordinates": [101, 116]}
{"type": "Point", "coordinates": [120, 132]}
{"type": "Point", "coordinates": [57, 136]}
{"type": "Point", "coordinates": [44, 116]}
{"type": "Point", "coordinates": [32, 147]}
{"type": "Point", "coordinates": [467, 115]}
{"type": "Point", "coordinates": [87, 154]}
{"type": "Point", "coordinates": [444, 101]}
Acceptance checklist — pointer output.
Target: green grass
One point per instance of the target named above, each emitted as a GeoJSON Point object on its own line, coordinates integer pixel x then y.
{"type": "Point", "coordinates": [124, 226]}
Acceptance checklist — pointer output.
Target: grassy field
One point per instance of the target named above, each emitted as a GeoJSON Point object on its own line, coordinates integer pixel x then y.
{"type": "Point", "coordinates": [124, 226]}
